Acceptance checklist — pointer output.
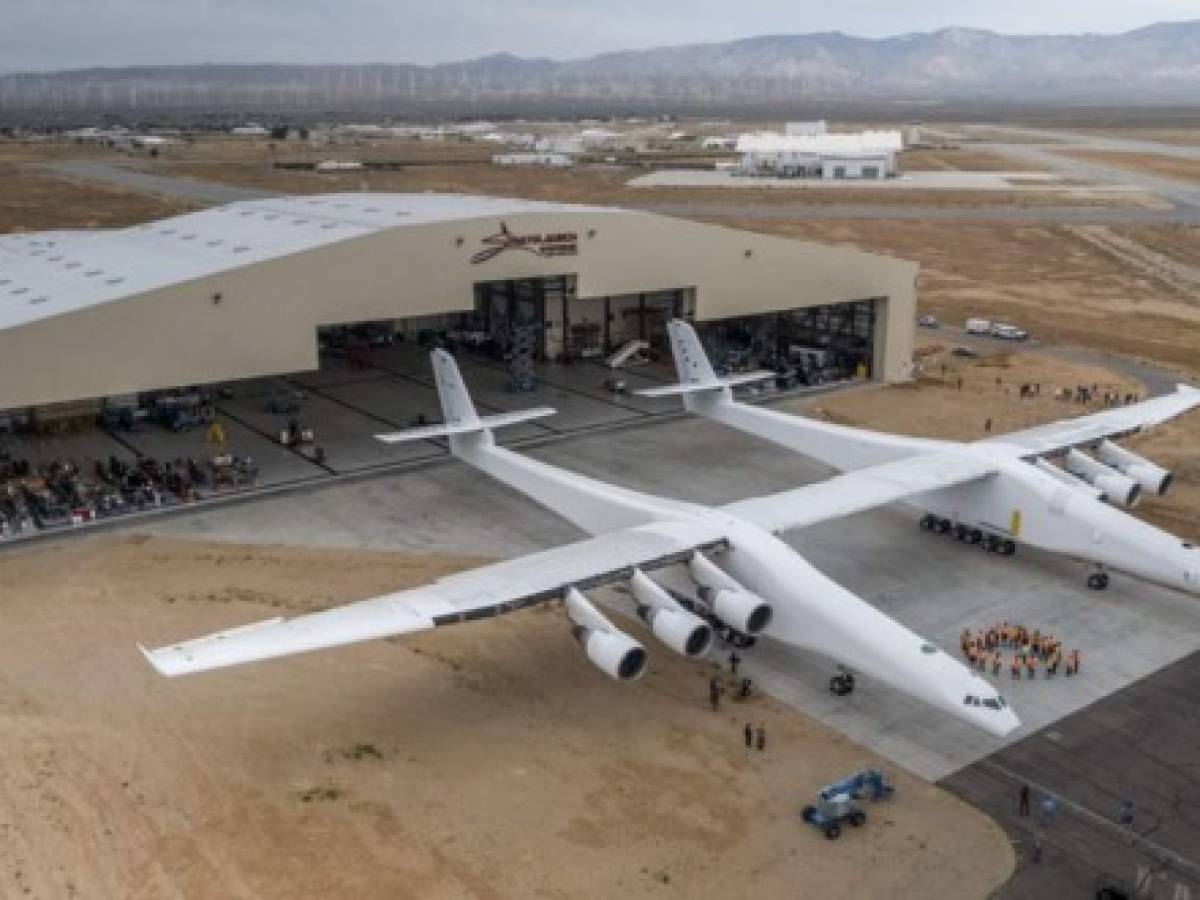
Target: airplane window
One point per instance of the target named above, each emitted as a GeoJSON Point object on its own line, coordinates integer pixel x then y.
{"type": "Point", "coordinates": [967, 700]}
{"type": "Point", "coordinates": [991, 703]}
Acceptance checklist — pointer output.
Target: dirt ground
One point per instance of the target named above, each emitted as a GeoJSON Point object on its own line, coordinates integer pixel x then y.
{"type": "Point", "coordinates": [32, 201]}
{"type": "Point", "coordinates": [1180, 136]}
{"type": "Point", "coordinates": [1178, 242]}
{"type": "Point", "coordinates": [487, 760]}
{"type": "Point", "coordinates": [1055, 285]}
{"type": "Point", "coordinates": [1169, 166]}
{"type": "Point", "coordinates": [961, 160]}
{"type": "Point", "coordinates": [592, 184]}
{"type": "Point", "coordinates": [935, 406]}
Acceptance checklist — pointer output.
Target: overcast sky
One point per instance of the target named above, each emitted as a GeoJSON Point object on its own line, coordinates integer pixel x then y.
{"type": "Point", "coordinates": [54, 34]}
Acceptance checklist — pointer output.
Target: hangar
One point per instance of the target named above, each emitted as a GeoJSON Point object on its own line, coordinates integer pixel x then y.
{"type": "Point", "coordinates": [243, 290]}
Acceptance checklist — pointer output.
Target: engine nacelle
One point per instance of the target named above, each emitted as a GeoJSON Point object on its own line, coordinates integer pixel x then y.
{"type": "Point", "coordinates": [611, 650]}
{"type": "Point", "coordinates": [1152, 478]}
{"type": "Point", "coordinates": [737, 607]}
{"type": "Point", "coordinates": [1115, 487]}
{"type": "Point", "coordinates": [683, 631]}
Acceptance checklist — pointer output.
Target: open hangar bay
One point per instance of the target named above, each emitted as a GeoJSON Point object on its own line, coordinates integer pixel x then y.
{"type": "Point", "coordinates": [933, 586]}
{"type": "Point", "coordinates": [313, 313]}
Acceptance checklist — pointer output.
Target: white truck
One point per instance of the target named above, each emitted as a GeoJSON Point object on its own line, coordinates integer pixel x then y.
{"type": "Point", "coordinates": [1007, 332]}
{"type": "Point", "coordinates": [978, 326]}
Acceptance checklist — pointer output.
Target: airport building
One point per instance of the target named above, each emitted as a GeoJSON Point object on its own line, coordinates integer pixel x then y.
{"type": "Point", "coordinates": [806, 151]}
{"type": "Point", "coordinates": [248, 290]}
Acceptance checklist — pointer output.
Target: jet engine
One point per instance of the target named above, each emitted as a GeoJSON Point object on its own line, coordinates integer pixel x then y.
{"type": "Point", "coordinates": [1115, 487]}
{"type": "Point", "coordinates": [611, 650]}
{"type": "Point", "coordinates": [1152, 478]}
{"type": "Point", "coordinates": [684, 632]}
{"type": "Point", "coordinates": [737, 607]}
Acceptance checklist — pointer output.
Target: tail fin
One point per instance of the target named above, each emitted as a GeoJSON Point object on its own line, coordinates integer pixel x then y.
{"type": "Point", "coordinates": [458, 411]}
{"type": "Point", "coordinates": [457, 408]}
{"type": "Point", "coordinates": [696, 373]}
{"type": "Point", "coordinates": [691, 362]}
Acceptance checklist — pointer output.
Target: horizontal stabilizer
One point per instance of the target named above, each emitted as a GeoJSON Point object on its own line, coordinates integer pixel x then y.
{"type": "Point", "coordinates": [675, 390]}
{"type": "Point", "coordinates": [483, 423]}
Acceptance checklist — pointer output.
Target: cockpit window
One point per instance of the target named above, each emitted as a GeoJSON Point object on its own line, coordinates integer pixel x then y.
{"type": "Point", "coordinates": [967, 700]}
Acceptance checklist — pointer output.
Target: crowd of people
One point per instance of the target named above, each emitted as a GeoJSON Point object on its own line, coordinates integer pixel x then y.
{"type": "Point", "coordinates": [1016, 648]}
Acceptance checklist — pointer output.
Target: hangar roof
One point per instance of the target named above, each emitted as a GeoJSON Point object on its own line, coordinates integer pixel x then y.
{"type": "Point", "coordinates": [53, 272]}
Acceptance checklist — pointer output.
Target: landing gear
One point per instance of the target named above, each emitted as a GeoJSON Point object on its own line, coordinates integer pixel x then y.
{"type": "Point", "coordinates": [1097, 581]}
{"type": "Point", "coordinates": [969, 534]}
{"type": "Point", "coordinates": [841, 684]}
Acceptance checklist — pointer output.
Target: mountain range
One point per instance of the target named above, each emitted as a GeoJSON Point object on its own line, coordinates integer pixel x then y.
{"type": "Point", "coordinates": [1157, 65]}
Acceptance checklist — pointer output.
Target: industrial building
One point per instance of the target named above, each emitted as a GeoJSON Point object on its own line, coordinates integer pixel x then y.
{"type": "Point", "coordinates": [246, 290]}
{"type": "Point", "coordinates": [815, 154]}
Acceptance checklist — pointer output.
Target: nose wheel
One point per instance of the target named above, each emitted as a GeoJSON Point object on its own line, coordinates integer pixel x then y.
{"type": "Point", "coordinates": [1097, 581]}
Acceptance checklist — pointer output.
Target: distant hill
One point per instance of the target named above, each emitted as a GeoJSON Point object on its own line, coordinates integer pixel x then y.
{"type": "Point", "coordinates": [1159, 65]}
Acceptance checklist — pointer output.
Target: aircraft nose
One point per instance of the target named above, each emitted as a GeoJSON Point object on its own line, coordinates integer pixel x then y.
{"type": "Point", "coordinates": [1002, 723]}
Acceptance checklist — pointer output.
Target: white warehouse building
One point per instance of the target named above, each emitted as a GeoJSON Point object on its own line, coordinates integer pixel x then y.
{"type": "Point", "coordinates": [865, 155]}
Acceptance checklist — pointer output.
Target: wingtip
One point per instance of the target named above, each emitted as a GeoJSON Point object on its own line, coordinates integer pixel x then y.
{"type": "Point", "coordinates": [150, 658]}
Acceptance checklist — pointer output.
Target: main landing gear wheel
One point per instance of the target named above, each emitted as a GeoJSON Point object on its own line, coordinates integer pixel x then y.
{"type": "Point", "coordinates": [944, 526]}
{"type": "Point", "coordinates": [1008, 547]}
{"type": "Point", "coordinates": [992, 543]}
{"type": "Point", "coordinates": [975, 536]}
{"type": "Point", "coordinates": [929, 522]}
{"type": "Point", "coordinates": [1098, 581]}
{"type": "Point", "coordinates": [832, 832]}
{"type": "Point", "coordinates": [857, 819]}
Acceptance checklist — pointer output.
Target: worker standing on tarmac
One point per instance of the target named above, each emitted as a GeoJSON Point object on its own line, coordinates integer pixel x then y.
{"type": "Point", "coordinates": [761, 738]}
{"type": "Point", "coordinates": [714, 693]}
{"type": "Point", "coordinates": [996, 663]}
{"type": "Point", "coordinates": [748, 734]}
{"type": "Point", "coordinates": [1016, 667]}
{"type": "Point", "coordinates": [1031, 664]}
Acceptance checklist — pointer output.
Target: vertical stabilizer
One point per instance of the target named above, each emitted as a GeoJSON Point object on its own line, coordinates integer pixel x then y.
{"type": "Point", "coordinates": [691, 362]}
{"type": "Point", "coordinates": [457, 408]}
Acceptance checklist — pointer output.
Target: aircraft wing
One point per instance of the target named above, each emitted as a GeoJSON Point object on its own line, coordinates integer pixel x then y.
{"type": "Point", "coordinates": [480, 593]}
{"type": "Point", "coordinates": [860, 490]}
{"type": "Point", "coordinates": [1110, 423]}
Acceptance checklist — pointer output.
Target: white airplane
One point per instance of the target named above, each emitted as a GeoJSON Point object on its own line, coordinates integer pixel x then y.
{"type": "Point", "coordinates": [994, 492]}
{"type": "Point", "coordinates": [746, 579]}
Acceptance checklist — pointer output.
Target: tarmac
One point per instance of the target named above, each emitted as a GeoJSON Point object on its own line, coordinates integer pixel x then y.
{"type": "Point", "coordinates": [1138, 744]}
{"type": "Point", "coordinates": [934, 585]}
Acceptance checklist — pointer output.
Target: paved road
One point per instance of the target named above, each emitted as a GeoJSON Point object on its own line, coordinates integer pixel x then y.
{"type": "Point", "coordinates": [1097, 142]}
{"type": "Point", "coordinates": [1138, 744]}
{"type": "Point", "coordinates": [191, 189]}
{"type": "Point", "coordinates": [1184, 194]}
{"type": "Point", "coordinates": [205, 192]}
{"type": "Point", "coordinates": [803, 212]}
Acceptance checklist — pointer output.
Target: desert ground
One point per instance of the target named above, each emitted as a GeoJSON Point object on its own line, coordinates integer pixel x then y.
{"type": "Point", "coordinates": [33, 201]}
{"type": "Point", "coordinates": [480, 761]}
{"type": "Point", "coordinates": [1059, 286]}
{"type": "Point", "coordinates": [461, 763]}
{"type": "Point", "coordinates": [1171, 167]}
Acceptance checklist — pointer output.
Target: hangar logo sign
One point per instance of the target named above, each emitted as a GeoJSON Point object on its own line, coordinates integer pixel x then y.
{"type": "Point", "coordinates": [561, 243]}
